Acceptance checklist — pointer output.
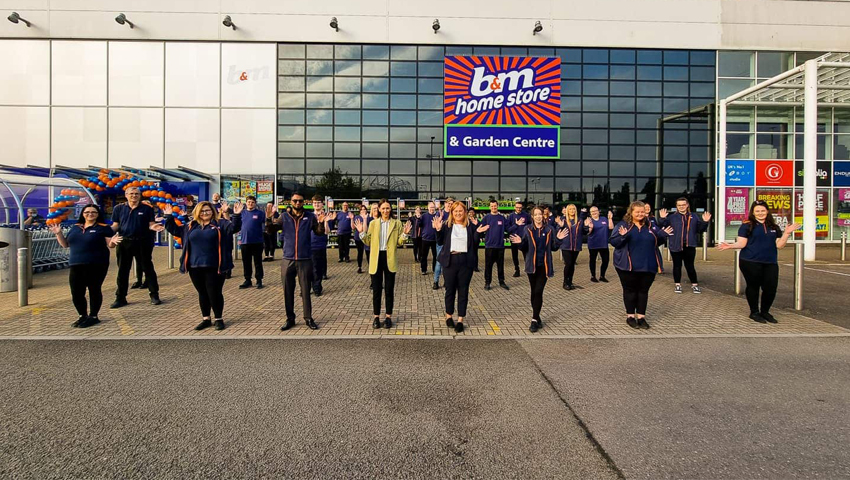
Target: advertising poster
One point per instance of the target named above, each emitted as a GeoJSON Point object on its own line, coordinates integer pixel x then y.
{"type": "Point", "coordinates": [265, 191]}
{"type": "Point", "coordinates": [842, 214]}
{"type": "Point", "coordinates": [740, 173]}
{"type": "Point", "coordinates": [823, 172]}
{"type": "Point", "coordinates": [502, 107]}
{"type": "Point", "coordinates": [775, 173]}
{"type": "Point", "coordinates": [822, 208]}
{"type": "Point", "coordinates": [248, 188]}
{"type": "Point", "coordinates": [841, 174]}
{"type": "Point", "coordinates": [737, 205]}
{"type": "Point", "coordinates": [779, 203]}
{"type": "Point", "coordinates": [230, 191]}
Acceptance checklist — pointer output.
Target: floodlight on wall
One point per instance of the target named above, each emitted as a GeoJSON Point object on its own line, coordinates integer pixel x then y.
{"type": "Point", "coordinates": [334, 24]}
{"type": "Point", "coordinates": [121, 19]}
{"type": "Point", "coordinates": [436, 25]}
{"type": "Point", "coordinates": [228, 22]}
{"type": "Point", "coordinates": [538, 27]}
{"type": "Point", "coordinates": [15, 18]}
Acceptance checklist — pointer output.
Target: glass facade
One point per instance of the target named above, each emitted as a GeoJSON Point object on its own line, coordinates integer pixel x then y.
{"type": "Point", "coordinates": [759, 133]}
{"type": "Point", "coordinates": [366, 121]}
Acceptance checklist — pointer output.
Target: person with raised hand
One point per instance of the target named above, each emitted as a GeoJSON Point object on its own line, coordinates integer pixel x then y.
{"type": "Point", "coordinates": [598, 230]}
{"type": "Point", "coordinates": [759, 239]}
{"type": "Point", "coordinates": [251, 241]}
{"type": "Point", "coordinates": [429, 239]}
{"type": "Point", "coordinates": [570, 247]}
{"type": "Point", "coordinates": [207, 254]}
{"type": "Point", "coordinates": [270, 229]}
{"type": "Point", "coordinates": [637, 260]}
{"type": "Point", "coordinates": [343, 220]}
{"type": "Point", "coordinates": [358, 243]}
{"type": "Point", "coordinates": [89, 241]}
{"type": "Point", "coordinates": [383, 236]}
{"type": "Point", "coordinates": [537, 241]}
{"type": "Point", "coordinates": [415, 219]}
{"type": "Point", "coordinates": [457, 236]}
{"type": "Point", "coordinates": [495, 225]}
{"type": "Point", "coordinates": [517, 221]}
{"type": "Point", "coordinates": [683, 243]}
{"type": "Point", "coordinates": [438, 267]}
{"type": "Point", "coordinates": [319, 246]}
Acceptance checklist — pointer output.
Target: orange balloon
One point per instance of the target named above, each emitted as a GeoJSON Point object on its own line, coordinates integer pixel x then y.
{"type": "Point", "coordinates": [99, 188]}
{"type": "Point", "coordinates": [168, 196]}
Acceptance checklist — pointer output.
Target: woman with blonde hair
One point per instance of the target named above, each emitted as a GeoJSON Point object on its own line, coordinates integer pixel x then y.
{"type": "Point", "coordinates": [383, 237]}
{"type": "Point", "coordinates": [637, 260]}
{"type": "Point", "coordinates": [571, 245]}
{"type": "Point", "coordinates": [207, 254]}
{"type": "Point", "coordinates": [457, 257]}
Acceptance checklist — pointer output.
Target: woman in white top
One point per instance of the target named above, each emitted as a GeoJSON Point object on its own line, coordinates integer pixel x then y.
{"type": "Point", "coordinates": [457, 257]}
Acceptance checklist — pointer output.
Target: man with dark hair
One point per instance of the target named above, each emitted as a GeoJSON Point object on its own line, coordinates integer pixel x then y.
{"type": "Point", "coordinates": [438, 268]}
{"type": "Point", "coordinates": [319, 245]}
{"type": "Point", "coordinates": [343, 232]}
{"type": "Point", "coordinates": [297, 225]}
{"type": "Point", "coordinates": [494, 245]}
{"type": "Point", "coordinates": [134, 220]}
{"type": "Point", "coordinates": [251, 243]}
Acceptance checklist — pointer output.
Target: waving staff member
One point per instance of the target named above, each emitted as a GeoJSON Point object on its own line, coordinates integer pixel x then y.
{"type": "Point", "coordinates": [253, 224]}
{"type": "Point", "coordinates": [571, 246]}
{"type": "Point", "coordinates": [89, 240]}
{"type": "Point", "coordinates": [598, 231]}
{"type": "Point", "coordinates": [429, 239]}
{"type": "Point", "coordinates": [759, 240]}
{"type": "Point", "coordinates": [457, 257]}
{"type": "Point", "coordinates": [343, 232]}
{"type": "Point", "coordinates": [319, 244]}
{"type": "Point", "coordinates": [383, 236]}
{"type": "Point", "coordinates": [494, 224]}
{"type": "Point", "coordinates": [537, 242]}
{"type": "Point", "coordinates": [637, 260]}
{"type": "Point", "coordinates": [517, 221]}
{"type": "Point", "coordinates": [683, 244]}
{"type": "Point", "coordinates": [270, 230]}
{"type": "Point", "coordinates": [206, 256]}
{"type": "Point", "coordinates": [415, 220]}
{"type": "Point", "coordinates": [358, 243]}
{"type": "Point", "coordinates": [297, 225]}
{"type": "Point", "coordinates": [438, 267]}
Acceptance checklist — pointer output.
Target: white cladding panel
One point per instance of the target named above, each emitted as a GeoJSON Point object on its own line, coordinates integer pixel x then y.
{"type": "Point", "coordinates": [79, 136]}
{"type": "Point", "coordinates": [25, 76]}
{"type": "Point", "coordinates": [192, 74]}
{"type": "Point", "coordinates": [79, 73]}
{"type": "Point", "coordinates": [25, 136]}
{"type": "Point", "coordinates": [192, 139]}
{"type": "Point", "coordinates": [136, 74]}
{"type": "Point", "coordinates": [135, 137]}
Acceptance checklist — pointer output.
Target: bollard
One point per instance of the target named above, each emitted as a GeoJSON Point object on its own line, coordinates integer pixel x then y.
{"type": "Point", "coordinates": [23, 283]}
{"type": "Point", "coordinates": [235, 247]}
{"type": "Point", "coordinates": [170, 239]}
{"type": "Point", "coordinates": [705, 247]}
{"type": "Point", "coordinates": [843, 246]}
{"type": "Point", "coordinates": [669, 257]}
{"type": "Point", "coordinates": [799, 266]}
{"type": "Point", "coordinates": [737, 264]}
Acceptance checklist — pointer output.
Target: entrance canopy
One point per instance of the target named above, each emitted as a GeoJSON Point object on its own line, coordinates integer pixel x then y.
{"type": "Point", "coordinates": [820, 82]}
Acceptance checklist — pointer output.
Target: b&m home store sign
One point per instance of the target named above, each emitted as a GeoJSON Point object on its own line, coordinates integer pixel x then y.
{"type": "Point", "coordinates": [502, 107]}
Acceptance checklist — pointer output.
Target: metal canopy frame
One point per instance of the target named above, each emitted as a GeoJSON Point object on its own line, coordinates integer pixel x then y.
{"type": "Point", "coordinates": [34, 181]}
{"type": "Point", "coordinates": [820, 82]}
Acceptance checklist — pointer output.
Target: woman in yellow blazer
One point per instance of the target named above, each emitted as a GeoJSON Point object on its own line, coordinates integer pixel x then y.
{"type": "Point", "coordinates": [384, 236]}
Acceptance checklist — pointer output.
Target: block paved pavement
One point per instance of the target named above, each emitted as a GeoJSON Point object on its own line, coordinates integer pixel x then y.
{"type": "Point", "coordinates": [345, 308]}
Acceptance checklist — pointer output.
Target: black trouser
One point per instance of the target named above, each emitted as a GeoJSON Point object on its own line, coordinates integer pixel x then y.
{"type": "Point", "coordinates": [126, 251]}
{"type": "Point", "coordinates": [763, 276]}
{"type": "Point", "coordinates": [303, 269]}
{"type": "Point", "coordinates": [428, 246]}
{"type": "Point", "coordinates": [569, 257]}
{"type": "Point", "coordinates": [688, 254]}
{"type": "Point", "coordinates": [269, 244]}
{"type": "Point", "coordinates": [515, 255]}
{"type": "Point", "coordinates": [209, 283]}
{"type": "Point", "coordinates": [491, 256]}
{"type": "Point", "coordinates": [457, 277]}
{"type": "Point", "coordinates": [252, 251]}
{"type": "Point", "coordinates": [320, 268]}
{"type": "Point", "coordinates": [606, 257]}
{"type": "Point", "coordinates": [87, 277]}
{"type": "Point", "coordinates": [417, 247]}
{"type": "Point", "coordinates": [537, 281]}
{"type": "Point", "coordinates": [635, 290]}
{"type": "Point", "coordinates": [343, 241]}
{"type": "Point", "coordinates": [139, 271]}
{"type": "Point", "coordinates": [360, 248]}
{"type": "Point", "coordinates": [383, 279]}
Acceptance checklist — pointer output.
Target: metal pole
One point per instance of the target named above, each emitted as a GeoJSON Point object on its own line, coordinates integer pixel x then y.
{"type": "Point", "coordinates": [843, 246]}
{"type": "Point", "coordinates": [721, 177]}
{"type": "Point", "coordinates": [799, 267]}
{"type": "Point", "coordinates": [810, 152]}
{"type": "Point", "coordinates": [170, 239]}
{"type": "Point", "coordinates": [669, 257]}
{"type": "Point", "coordinates": [738, 283]}
{"type": "Point", "coordinates": [705, 247]}
{"type": "Point", "coordinates": [235, 247]}
{"type": "Point", "coordinates": [23, 284]}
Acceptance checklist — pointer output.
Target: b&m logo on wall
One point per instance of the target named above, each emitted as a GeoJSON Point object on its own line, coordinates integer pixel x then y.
{"type": "Point", "coordinates": [502, 107]}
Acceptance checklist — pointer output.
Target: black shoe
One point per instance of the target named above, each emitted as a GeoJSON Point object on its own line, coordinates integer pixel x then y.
{"type": "Point", "coordinates": [516, 274]}
{"type": "Point", "coordinates": [768, 317]}
{"type": "Point", "coordinates": [388, 323]}
{"type": "Point", "coordinates": [318, 294]}
{"type": "Point", "coordinates": [487, 286]}
{"type": "Point", "coordinates": [88, 322]}
{"type": "Point", "coordinates": [347, 260]}
{"type": "Point", "coordinates": [268, 259]}
{"type": "Point", "coordinates": [594, 280]}
{"type": "Point", "coordinates": [260, 284]}
{"type": "Point", "coordinates": [246, 284]}
{"type": "Point", "coordinates": [476, 269]}
{"type": "Point", "coordinates": [339, 261]}
{"type": "Point", "coordinates": [119, 302]}
{"type": "Point", "coordinates": [136, 285]}
{"type": "Point", "coordinates": [205, 323]}
{"type": "Point", "coordinates": [311, 324]}
{"type": "Point", "coordinates": [144, 286]}
{"type": "Point", "coordinates": [642, 323]}
{"type": "Point", "coordinates": [219, 324]}
{"type": "Point", "coordinates": [425, 272]}
{"type": "Point", "coordinates": [458, 327]}
{"type": "Point", "coordinates": [603, 279]}
{"type": "Point", "coordinates": [450, 322]}
{"type": "Point", "coordinates": [79, 321]}
{"type": "Point", "coordinates": [436, 286]}
{"type": "Point", "coordinates": [326, 277]}
{"type": "Point", "coordinates": [535, 325]}
{"type": "Point", "coordinates": [228, 275]}
{"type": "Point", "coordinates": [155, 299]}
{"type": "Point", "coordinates": [504, 285]}
{"type": "Point", "coordinates": [757, 317]}
{"type": "Point", "coordinates": [571, 287]}
{"type": "Point", "coordinates": [376, 323]}
{"type": "Point", "coordinates": [359, 270]}
{"type": "Point", "coordinates": [540, 322]}
{"type": "Point", "coordinates": [566, 287]}
{"type": "Point", "coordinates": [632, 322]}
{"type": "Point", "coordinates": [289, 324]}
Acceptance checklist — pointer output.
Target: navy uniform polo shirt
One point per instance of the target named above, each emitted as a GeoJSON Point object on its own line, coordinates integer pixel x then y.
{"type": "Point", "coordinates": [761, 243]}
{"type": "Point", "coordinates": [133, 224]}
{"type": "Point", "coordinates": [88, 246]}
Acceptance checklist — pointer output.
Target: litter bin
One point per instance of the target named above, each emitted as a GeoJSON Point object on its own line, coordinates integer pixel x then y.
{"type": "Point", "coordinates": [11, 239]}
